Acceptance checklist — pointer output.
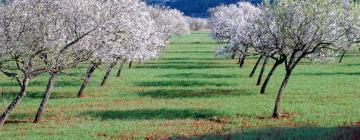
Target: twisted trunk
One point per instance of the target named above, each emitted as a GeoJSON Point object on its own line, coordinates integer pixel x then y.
{"type": "Point", "coordinates": [120, 69]}
{"type": "Point", "coordinates": [262, 71]}
{"type": "Point", "coordinates": [46, 98]}
{"type": "Point", "coordinates": [267, 80]}
{"type": "Point", "coordinates": [90, 71]}
{"type": "Point", "coordinates": [277, 109]}
{"type": "Point", "coordinates": [255, 67]}
{"type": "Point", "coordinates": [107, 73]}
{"type": "Point", "coordinates": [13, 104]}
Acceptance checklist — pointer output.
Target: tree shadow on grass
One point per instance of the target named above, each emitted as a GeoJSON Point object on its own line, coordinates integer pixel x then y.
{"type": "Point", "coordinates": [351, 65]}
{"type": "Point", "coordinates": [183, 63]}
{"type": "Point", "coordinates": [208, 93]}
{"type": "Point", "coordinates": [37, 83]}
{"type": "Point", "coordinates": [287, 133]}
{"type": "Point", "coordinates": [189, 59]}
{"type": "Point", "coordinates": [152, 114]}
{"type": "Point", "coordinates": [10, 95]}
{"type": "Point", "coordinates": [330, 74]}
{"type": "Point", "coordinates": [180, 83]}
{"type": "Point", "coordinates": [185, 66]}
{"type": "Point", "coordinates": [198, 75]}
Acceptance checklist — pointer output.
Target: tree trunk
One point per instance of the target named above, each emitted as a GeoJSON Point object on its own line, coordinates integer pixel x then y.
{"type": "Point", "coordinates": [87, 78]}
{"type": "Point", "coordinates": [263, 87]}
{"type": "Point", "coordinates": [255, 67]}
{"type": "Point", "coordinates": [120, 69]}
{"type": "Point", "coordinates": [13, 104]}
{"type": "Point", "coordinates": [107, 73]}
{"type": "Point", "coordinates": [342, 57]}
{"type": "Point", "coordinates": [46, 98]}
{"type": "Point", "coordinates": [130, 64]}
{"type": "Point", "coordinates": [242, 60]}
{"type": "Point", "coordinates": [262, 71]}
{"type": "Point", "coordinates": [277, 109]}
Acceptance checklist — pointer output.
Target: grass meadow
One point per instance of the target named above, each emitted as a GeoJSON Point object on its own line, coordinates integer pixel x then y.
{"type": "Point", "coordinates": [188, 93]}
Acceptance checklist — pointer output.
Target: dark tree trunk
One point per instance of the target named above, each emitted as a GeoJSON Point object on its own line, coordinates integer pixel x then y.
{"type": "Point", "coordinates": [13, 104]}
{"type": "Point", "coordinates": [242, 60]}
{"type": "Point", "coordinates": [277, 109]}
{"type": "Point", "coordinates": [87, 78]}
{"type": "Point", "coordinates": [130, 64]}
{"type": "Point", "coordinates": [267, 80]}
{"type": "Point", "coordinates": [107, 73]}
{"type": "Point", "coordinates": [262, 71]}
{"type": "Point", "coordinates": [342, 57]}
{"type": "Point", "coordinates": [255, 67]}
{"type": "Point", "coordinates": [46, 98]}
{"type": "Point", "coordinates": [120, 69]}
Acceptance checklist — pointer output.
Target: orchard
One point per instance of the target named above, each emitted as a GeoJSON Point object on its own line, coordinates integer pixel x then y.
{"type": "Point", "coordinates": [149, 71]}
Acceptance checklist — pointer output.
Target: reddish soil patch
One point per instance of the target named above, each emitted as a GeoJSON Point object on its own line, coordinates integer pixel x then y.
{"type": "Point", "coordinates": [286, 115]}
{"type": "Point", "coordinates": [357, 124]}
{"type": "Point", "coordinates": [220, 120]}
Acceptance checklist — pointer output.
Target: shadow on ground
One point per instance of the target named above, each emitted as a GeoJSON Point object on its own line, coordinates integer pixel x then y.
{"type": "Point", "coordinates": [198, 75]}
{"type": "Point", "coordinates": [184, 66]}
{"type": "Point", "coordinates": [180, 83]}
{"type": "Point", "coordinates": [330, 74]}
{"type": "Point", "coordinates": [285, 133]}
{"type": "Point", "coordinates": [151, 114]}
{"type": "Point", "coordinates": [10, 95]}
{"type": "Point", "coordinates": [59, 83]}
{"type": "Point", "coordinates": [195, 93]}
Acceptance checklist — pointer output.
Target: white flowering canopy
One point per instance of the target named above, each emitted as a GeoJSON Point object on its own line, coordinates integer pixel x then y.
{"type": "Point", "coordinates": [126, 32]}
{"type": "Point", "coordinates": [234, 23]}
{"type": "Point", "coordinates": [169, 21]}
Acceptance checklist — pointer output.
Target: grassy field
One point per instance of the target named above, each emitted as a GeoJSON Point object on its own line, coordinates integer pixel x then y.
{"type": "Point", "coordinates": [188, 93]}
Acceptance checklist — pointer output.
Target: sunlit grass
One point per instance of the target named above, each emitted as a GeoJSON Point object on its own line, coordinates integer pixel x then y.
{"type": "Point", "coordinates": [188, 92]}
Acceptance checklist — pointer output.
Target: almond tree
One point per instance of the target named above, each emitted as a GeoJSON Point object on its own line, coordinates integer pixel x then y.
{"type": "Point", "coordinates": [168, 22]}
{"type": "Point", "coordinates": [129, 33]}
{"type": "Point", "coordinates": [21, 46]}
{"type": "Point", "coordinates": [232, 23]}
{"type": "Point", "coordinates": [68, 24]}
{"type": "Point", "coordinates": [304, 28]}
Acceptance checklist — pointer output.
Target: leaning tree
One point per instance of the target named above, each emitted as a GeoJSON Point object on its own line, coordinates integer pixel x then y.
{"type": "Point", "coordinates": [69, 23]}
{"type": "Point", "coordinates": [128, 33]}
{"type": "Point", "coordinates": [304, 28]}
{"type": "Point", "coordinates": [232, 24]}
{"type": "Point", "coordinates": [21, 45]}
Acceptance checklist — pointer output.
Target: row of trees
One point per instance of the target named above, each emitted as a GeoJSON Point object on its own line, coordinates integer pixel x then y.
{"type": "Point", "coordinates": [47, 37]}
{"type": "Point", "coordinates": [286, 32]}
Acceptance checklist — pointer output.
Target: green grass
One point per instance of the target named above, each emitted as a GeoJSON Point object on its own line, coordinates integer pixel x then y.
{"type": "Point", "coordinates": [188, 93]}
